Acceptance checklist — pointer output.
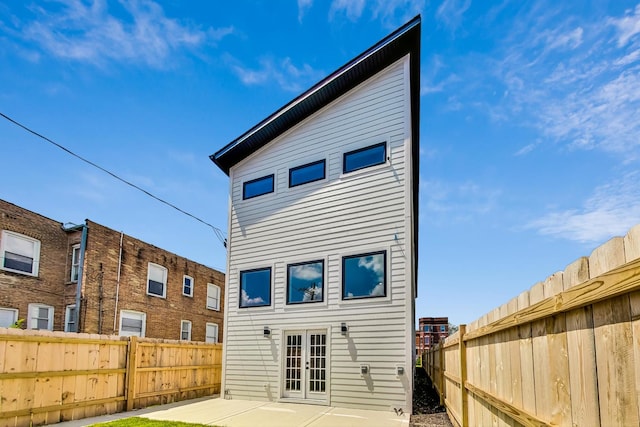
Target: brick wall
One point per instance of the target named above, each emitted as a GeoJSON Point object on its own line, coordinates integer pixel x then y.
{"type": "Point", "coordinates": [18, 290]}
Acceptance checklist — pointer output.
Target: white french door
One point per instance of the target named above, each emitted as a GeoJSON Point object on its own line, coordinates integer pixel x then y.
{"type": "Point", "coordinates": [305, 365]}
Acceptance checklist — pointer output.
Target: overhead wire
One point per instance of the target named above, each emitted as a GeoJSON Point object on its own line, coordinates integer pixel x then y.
{"type": "Point", "coordinates": [217, 231]}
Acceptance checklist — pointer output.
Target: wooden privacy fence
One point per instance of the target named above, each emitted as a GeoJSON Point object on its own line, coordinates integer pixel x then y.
{"type": "Point", "coordinates": [564, 353]}
{"type": "Point", "coordinates": [47, 377]}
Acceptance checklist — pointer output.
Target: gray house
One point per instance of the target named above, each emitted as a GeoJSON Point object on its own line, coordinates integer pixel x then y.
{"type": "Point", "coordinates": [323, 239]}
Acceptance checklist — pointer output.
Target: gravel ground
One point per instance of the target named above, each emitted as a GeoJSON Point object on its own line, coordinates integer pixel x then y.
{"type": "Point", "coordinates": [427, 411]}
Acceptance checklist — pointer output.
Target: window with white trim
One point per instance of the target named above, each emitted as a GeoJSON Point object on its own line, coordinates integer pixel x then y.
{"type": "Point", "coordinates": [213, 297]}
{"type": "Point", "coordinates": [70, 320]}
{"type": "Point", "coordinates": [185, 330]}
{"type": "Point", "coordinates": [187, 286]}
{"type": "Point", "coordinates": [19, 253]}
{"type": "Point", "coordinates": [75, 262]}
{"type": "Point", "coordinates": [8, 316]}
{"type": "Point", "coordinates": [132, 323]}
{"type": "Point", "coordinates": [40, 317]}
{"type": "Point", "coordinates": [157, 281]}
{"type": "Point", "coordinates": [211, 333]}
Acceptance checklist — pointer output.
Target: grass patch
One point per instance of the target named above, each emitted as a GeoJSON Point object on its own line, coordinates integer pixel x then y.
{"type": "Point", "coordinates": [146, 422]}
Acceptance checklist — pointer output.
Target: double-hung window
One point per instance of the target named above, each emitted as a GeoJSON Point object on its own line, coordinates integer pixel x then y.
{"type": "Point", "coordinates": [75, 262]}
{"type": "Point", "coordinates": [364, 157]}
{"type": "Point", "coordinates": [305, 282]}
{"type": "Point", "coordinates": [40, 317]}
{"type": "Point", "coordinates": [70, 319]}
{"type": "Point", "coordinates": [255, 287]}
{"type": "Point", "coordinates": [19, 253]}
{"type": "Point", "coordinates": [213, 297]}
{"type": "Point", "coordinates": [132, 323]}
{"type": "Point", "coordinates": [185, 330]}
{"type": "Point", "coordinates": [8, 316]}
{"type": "Point", "coordinates": [257, 187]}
{"type": "Point", "coordinates": [364, 275]}
{"type": "Point", "coordinates": [211, 333]}
{"type": "Point", "coordinates": [307, 173]}
{"type": "Point", "coordinates": [157, 280]}
{"type": "Point", "coordinates": [187, 286]}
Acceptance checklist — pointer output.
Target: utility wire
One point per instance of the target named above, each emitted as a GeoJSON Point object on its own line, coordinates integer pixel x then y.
{"type": "Point", "coordinates": [218, 232]}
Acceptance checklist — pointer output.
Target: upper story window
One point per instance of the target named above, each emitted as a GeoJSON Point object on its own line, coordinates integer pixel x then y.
{"type": "Point", "coordinates": [70, 319]}
{"type": "Point", "coordinates": [211, 334]}
{"type": "Point", "coordinates": [18, 253]}
{"type": "Point", "coordinates": [443, 328]}
{"type": "Point", "coordinates": [307, 173]}
{"type": "Point", "coordinates": [255, 287]}
{"type": "Point", "coordinates": [213, 297]}
{"type": "Point", "coordinates": [185, 330]}
{"type": "Point", "coordinates": [157, 280]}
{"type": "Point", "coordinates": [40, 317]}
{"type": "Point", "coordinates": [257, 187]}
{"type": "Point", "coordinates": [75, 262]}
{"type": "Point", "coordinates": [364, 276]}
{"type": "Point", "coordinates": [132, 323]}
{"type": "Point", "coordinates": [364, 157]}
{"type": "Point", "coordinates": [187, 286]}
{"type": "Point", "coordinates": [426, 328]}
{"type": "Point", "coordinates": [305, 282]}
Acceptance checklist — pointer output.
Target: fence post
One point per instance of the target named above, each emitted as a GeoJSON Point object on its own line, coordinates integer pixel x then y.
{"type": "Point", "coordinates": [463, 376]}
{"type": "Point", "coordinates": [131, 371]}
{"type": "Point", "coordinates": [441, 355]}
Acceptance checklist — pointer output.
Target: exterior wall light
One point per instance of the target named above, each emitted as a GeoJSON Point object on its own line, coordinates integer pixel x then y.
{"type": "Point", "coordinates": [267, 332]}
{"type": "Point", "coordinates": [343, 329]}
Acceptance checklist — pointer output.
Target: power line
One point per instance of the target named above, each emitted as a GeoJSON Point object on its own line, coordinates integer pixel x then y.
{"type": "Point", "coordinates": [218, 232]}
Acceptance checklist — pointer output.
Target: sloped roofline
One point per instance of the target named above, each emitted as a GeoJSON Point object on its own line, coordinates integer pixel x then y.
{"type": "Point", "coordinates": [405, 40]}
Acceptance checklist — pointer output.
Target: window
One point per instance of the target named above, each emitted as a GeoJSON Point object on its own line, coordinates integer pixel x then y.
{"type": "Point", "coordinates": [132, 323]}
{"type": "Point", "coordinates": [255, 287]}
{"type": "Point", "coordinates": [213, 297]}
{"type": "Point", "coordinates": [364, 157]}
{"type": "Point", "coordinates": [305, 282]}
{"type": "Point", "coordinates": [426, 328]}
{"type": "Point", "coordinates": [8, 316]}
{"type": "Point", "coordinates": [40, 317]}
{"type": "Point", "coordinates": [187, 286]}
{"type": "Point", "coordinates": [306, 173]}
{"type": "Point", "coordinates": [70, 319]}
{"type": "Point", "coordinates": [442, 328]}
{"type": "Point", "coordinates": [20, 254]}
{"type": "Point", "coordinates": [75, 262]}
{"type": "Point", "coordinates": [257, 187]}
{"type": "Point", "coordinates": [426, 340]}
{"type": "Point", "coordinates": [185, 330]}
{"type": "Point", "coordinates": [157, 280]}
{"type": "Point", "coordinates": [364, 276]}
{"type": "Point", "coordinates": [212, 333]}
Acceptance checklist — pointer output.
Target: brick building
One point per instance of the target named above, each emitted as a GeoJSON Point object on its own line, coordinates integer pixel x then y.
{"type": "Point", "coordinates": [127, 286]}
{"type": "Point", "coordinates": [431, 331]}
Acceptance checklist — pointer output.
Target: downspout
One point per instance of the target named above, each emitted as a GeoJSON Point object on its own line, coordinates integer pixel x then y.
{"type": "Point", "coordinates": [115, 310]}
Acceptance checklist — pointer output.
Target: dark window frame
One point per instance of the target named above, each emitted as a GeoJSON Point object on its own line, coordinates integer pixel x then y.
{"type": "Point", "coordinates": [384, 277]}
{"type": "Point", "coordinates": [253, 181]}
{"type": "Point", "coordinates": [240, 287]}
{"type": "Point", "coordinates": [359, 150]}
{"type": "Point", "coordinates": [288, 301]}
{"type": "Point", "coordinates": [297, 168]}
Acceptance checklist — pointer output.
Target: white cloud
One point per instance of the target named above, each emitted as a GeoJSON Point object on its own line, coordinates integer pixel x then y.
{"type": "Point", "coordinates": [451, 12]}
{"type": "Point", "coordinates": [456, 202]}
{"type": "Point", "coordinates": [612, 210]}
{"type": "Point", "coordinates": [250, 301]}
{"type": "Point", "coordinates": [627, 26]}
{"type": "Point", "coordinates": [91, 33]}
{"type": "Point", "coordinates": [283, 72]}
{"type": "Point", "coordinates": [303, 6]}
{"type": "Point", "coordinates": [351, 8]}
{"type": "Point", "coordinates": [307, 271]}
{"type": "Point", "coordinates": [374, 263]}
{"type": "Point", "coordinates": [378, 290]}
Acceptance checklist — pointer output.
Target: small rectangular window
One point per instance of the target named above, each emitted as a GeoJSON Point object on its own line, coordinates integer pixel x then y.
{"type": "Point", "coordinates": [307, 173]}
{"type": "Point", "coordinates": [8, 316]}
{"type": "Point", "coordinates": [157, 280]}
{"type": "Point", "coordinates": [364, 157]}
{"type": "Point", "coordinates": [255, 287]}
{"type": "Point", "coordinates": [364, 276]}
{"type": "Point", "coordinates": [70, 319]}
{"type": "Point", "coordinates": [18, 253]}
{"type": "Point", "coordinates": [132, 323]}
{"type": "Point", "coordinates": [185, 330]}
{"type": "Point", "coordinates": [211, 333]}
{"type": "Point", "coordinates": [257, 187]}
{"type": "Point", "coordinates": [187, 286]}
{"type": "Point", "coordinates": [75, 262]}
{"type": "Point", "coordinates": [40, 317]}
{"type": "Point", "coordinates": [305, 282]}
{"type": "Point", "coordinates": [213, 297]}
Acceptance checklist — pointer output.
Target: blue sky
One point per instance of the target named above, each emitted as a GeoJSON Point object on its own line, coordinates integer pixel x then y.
{"type": "Point", "coordinates": [530, 138]}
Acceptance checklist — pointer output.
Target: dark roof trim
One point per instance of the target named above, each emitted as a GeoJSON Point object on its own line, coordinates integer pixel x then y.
{"type": "Point", "coordinates": [405, 40]}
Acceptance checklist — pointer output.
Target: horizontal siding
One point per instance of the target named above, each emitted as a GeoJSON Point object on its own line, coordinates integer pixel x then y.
{"type": "Point", "coordinates": [343, 214]}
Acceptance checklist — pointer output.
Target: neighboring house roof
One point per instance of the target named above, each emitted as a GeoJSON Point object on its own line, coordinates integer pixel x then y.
{"type": "Point", "coordinates": [405, 40]}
